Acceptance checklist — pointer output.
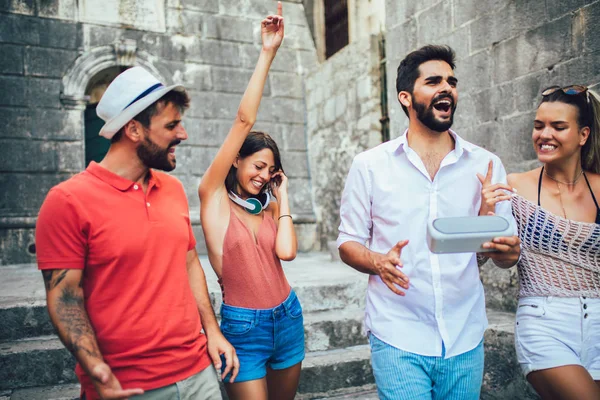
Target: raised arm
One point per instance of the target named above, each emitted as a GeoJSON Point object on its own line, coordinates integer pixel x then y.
{"type": "Point", "coordinates": [64, 295]}
{"type": "Point", "coordinates": [272, 31]}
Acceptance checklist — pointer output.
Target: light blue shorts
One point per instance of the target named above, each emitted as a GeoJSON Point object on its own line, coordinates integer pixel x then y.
{"type": "Point", "coordinates": [271, 337]}
{"type": "Point", "coordinates": [556, 331]}
{"type": "Point", "coordinates": [401, 375]}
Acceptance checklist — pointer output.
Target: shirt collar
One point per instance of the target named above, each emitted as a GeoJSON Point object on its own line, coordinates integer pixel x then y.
{"type": "Point", "coordinates": [116, 181]}
{"type": "Point", "coordinates": [460, 145]}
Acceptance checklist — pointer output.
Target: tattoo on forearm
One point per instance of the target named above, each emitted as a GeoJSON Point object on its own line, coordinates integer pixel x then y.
{"type": "Point", "coordinates": [53, 277]}
{"type": "Point", "coordinates": [78, 333]}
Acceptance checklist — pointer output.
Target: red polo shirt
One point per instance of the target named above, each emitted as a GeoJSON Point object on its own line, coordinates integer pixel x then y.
{"type": "Point", "coordinates": [132, 247]}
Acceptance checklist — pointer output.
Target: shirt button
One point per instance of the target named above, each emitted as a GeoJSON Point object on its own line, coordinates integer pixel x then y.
{"type": "Point", "coordinates": [585, 316]}
{"type": "Point", "coordinates": [148, 204]}
{"type": "Point", "coordinates": [585, 306]}
{"type": "Point", "coordinates": [136, 187]}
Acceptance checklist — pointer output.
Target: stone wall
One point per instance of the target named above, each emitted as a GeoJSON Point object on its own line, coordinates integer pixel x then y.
{"type": "Point", "coordinates": [51, 49]}
{"type": "Point", "coordinates": [343, 112]}
{"type": "Point", "coordinates": [508, 51]}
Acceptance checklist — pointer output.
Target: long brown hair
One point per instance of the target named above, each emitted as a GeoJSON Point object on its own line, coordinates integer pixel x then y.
{"type": "Point", "coordinates": [255, 141]}
{"type": "Point", "coordinates": [588, 106]}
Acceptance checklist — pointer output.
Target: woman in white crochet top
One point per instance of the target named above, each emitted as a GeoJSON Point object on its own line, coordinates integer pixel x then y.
{"type": "Point", "coordinates": [557, 332]}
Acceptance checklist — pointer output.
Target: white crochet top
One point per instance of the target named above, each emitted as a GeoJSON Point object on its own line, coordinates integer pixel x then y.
{"type": "Point", "coordinates": [559, 257]}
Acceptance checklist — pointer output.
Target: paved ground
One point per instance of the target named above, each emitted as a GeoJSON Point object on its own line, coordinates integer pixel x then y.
{"type": "Point", "coordinates": [23, 284]}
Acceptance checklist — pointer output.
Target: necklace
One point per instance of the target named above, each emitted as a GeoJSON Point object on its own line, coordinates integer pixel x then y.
{"type": "Point", "coordinates": [558, 183]}
{"type": "Point", "coordinates": [564, 183]}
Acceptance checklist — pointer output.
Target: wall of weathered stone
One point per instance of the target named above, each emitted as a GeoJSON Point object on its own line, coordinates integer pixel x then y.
{"type": "Point", "coordinates": [49, 50]}
{"type": "Point", "coordinates": [508, 51]}
{"type": "Point", "coordinates": [343, 111]}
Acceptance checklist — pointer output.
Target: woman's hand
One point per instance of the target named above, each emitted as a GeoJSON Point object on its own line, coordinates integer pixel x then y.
{"type": "Point", "coordinates": [279, 184]}
{"type": "Point", "coordinates": [271, 30]}
{"type": "Point", "coordinates": [492, 194]}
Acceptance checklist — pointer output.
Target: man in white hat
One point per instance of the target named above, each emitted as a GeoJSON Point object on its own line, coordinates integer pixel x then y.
{"type": "Point", "coordinates": [125, 289]}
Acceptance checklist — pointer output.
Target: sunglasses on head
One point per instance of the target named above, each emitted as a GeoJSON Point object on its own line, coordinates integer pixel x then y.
{"type": "Point", "coordinates": [571, 90]}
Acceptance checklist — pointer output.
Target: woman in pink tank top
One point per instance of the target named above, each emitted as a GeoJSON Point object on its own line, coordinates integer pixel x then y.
{"type": "Point", "coordinates": [248, 229]}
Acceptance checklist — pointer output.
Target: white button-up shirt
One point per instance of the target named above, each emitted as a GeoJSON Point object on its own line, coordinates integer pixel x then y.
{"type": "Point", "coordinates": [389, 196]}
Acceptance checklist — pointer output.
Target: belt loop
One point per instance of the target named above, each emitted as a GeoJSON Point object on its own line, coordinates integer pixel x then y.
{"type": "Point", "coordinates": [256, 317]}
{"type": "Point", "coordinates": [288, 302]}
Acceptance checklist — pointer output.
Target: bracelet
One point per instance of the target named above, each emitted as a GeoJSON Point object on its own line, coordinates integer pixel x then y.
{"type": "Point", "coordinates": [284, 215]}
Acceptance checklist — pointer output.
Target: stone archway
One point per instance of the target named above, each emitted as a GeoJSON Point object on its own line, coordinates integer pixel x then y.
{"type": "Point", "coordinates": [97, 67]}
{"type": "Point", "coordinates": [120, 54]}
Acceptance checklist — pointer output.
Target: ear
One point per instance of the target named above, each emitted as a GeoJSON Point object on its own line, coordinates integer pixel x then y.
{"type": "Point", "coordinates": [584, 134]}
{"type": "Point", "coordinates": [134, 131]}
{"type": "Point", "coordinates": [405, 99]}
{"type": "Point", "coordinates": [236, 162]}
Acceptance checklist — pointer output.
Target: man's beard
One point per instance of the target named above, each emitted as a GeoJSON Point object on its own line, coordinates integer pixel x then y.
{"type": "Point", "coordinates": [154, 156]}
{"type": "Point", "coordinates": [425, 115]}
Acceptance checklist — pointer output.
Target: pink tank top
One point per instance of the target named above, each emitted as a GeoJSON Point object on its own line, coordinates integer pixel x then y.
{"type": "Point", "coordinates": [252, 276]}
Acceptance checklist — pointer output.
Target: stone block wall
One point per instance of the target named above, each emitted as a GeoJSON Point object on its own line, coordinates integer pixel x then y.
{"type": "Point", "coordinates": [343, 111]}
{"type": "Point", "coordinates": [508, 51]}
{"type": "Point", "coordinates": [51, 49]}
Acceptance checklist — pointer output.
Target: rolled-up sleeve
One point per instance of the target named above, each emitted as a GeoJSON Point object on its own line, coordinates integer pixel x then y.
{"type": "Point", "coordinates": [355, 209]}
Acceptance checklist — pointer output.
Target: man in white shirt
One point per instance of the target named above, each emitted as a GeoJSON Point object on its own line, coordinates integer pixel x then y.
{"type": "Point", "coordinates": [425, 312]}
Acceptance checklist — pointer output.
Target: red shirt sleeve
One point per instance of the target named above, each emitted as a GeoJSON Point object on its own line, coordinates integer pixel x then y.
{"type": "Point", "coordinates": [60, 234]}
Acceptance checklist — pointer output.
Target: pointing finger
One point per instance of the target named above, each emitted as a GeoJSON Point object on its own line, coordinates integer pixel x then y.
{"type": "Point", "coordinates": [488, 176]}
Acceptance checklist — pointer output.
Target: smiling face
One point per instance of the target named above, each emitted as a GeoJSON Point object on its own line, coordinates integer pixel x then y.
{"type": "Point", "coordinates": [556, 135]}
{"type": "Point", "coordinates": [254, 172]}
{"type": "Point", "coordinates": [434, 97]}
{"type": "Point", "coordinates": [157, 149]}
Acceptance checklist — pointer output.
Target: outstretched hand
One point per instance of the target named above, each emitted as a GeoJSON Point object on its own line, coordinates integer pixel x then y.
{"type": "Point", "coordinates": [271, 30]}
{"type": "Point", "coordinates": [492, 194]}
{"type": "Point", "coordinates": [387, 267]}
{"type": "Point", "coordinates": [108, 386]}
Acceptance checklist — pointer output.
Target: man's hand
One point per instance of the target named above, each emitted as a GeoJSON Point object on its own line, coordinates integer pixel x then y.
{"type": "Point", "coordinates": [492, 194]}
{"type": "Point", "coordinates": [217, 345]}
{"type": "Point", "coordinates": [386, 266]}
{"type": "Point", "coordinates": [108, 386]}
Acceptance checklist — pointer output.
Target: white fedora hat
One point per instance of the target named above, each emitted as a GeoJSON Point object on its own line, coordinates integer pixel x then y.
{"type": "Point", "coordinates": [129, 94]}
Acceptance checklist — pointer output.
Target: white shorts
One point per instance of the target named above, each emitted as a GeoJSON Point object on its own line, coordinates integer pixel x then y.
{"type": "Point", "coordinates": [556, 331]}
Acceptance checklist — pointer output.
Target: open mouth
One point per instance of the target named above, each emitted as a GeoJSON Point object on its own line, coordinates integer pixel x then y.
{"type": "Point", "coordinates": [443, 105]}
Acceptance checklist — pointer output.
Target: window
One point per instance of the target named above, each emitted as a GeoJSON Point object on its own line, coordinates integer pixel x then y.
{"type": "Point", "coordinates": [336, 26]}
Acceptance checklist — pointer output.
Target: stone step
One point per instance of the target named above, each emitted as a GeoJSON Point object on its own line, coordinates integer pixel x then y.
{"type": "Point", "coordinates": [33, 362]}
{"type": "Point", "coordinates": [334, 329]}
{"type": "Point", "coordinates": [24, 359]}
{"type": "Point", "coordinates": [331, 373]}
{"type": "Point", "coordinates": [319, 283]}
{"type": "Point", "coordinates": [326, 371]}
{"type": "Point", "coordinates": [56, 392]}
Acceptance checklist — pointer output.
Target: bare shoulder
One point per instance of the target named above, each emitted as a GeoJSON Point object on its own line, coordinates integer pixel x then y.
{"type": "Point", "coordinates": [525, 183]}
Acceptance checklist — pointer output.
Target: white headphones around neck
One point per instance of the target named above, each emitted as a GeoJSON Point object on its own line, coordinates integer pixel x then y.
{"type": "Point", "coordinates": [253, 205]}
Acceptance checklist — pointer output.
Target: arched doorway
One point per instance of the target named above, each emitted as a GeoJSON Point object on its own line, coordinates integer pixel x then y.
{"type": "Point", "coordinates": [95, 145]}
{"type": "Point", "coordinates": [88, 78]}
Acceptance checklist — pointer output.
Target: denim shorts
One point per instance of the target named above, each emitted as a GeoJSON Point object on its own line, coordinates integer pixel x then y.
{"type": "Point", "coordinates": [269, 337]}
{"type": "Point", "coordinates": [557, 331]}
